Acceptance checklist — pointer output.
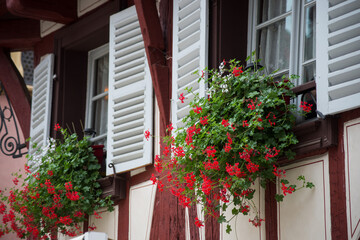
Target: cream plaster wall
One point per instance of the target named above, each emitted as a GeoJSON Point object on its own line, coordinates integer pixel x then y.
{"type": "Point", "coordinates": [352, 176]}
{"type": "Point", "coordinates": [108, 222]}
{"type": "Point", "coordinates": [242, 229]}
{"type": "Point", "coordinates": [141, 207]}
{"type": "Point", "coordinates": [305, 214]}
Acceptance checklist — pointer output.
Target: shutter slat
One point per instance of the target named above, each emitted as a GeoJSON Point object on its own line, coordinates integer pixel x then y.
{"type": "Point", "coordinates": [122, 137]}
{"type": "Point", "coordinates": [129, 140]}
{"type": "Point", "coordinates": [344, 61]}
{"type": "Point", "coordinates": [338, 60]}
{"type": "Point", "coordinates": [41, 103]}
{"type": "Point", "coordinates": [128, 157]}
{"type": "Point", "coordinates": [344, 75]}
{"type": "Point", "coordinates": [190, 41]}
{"type": "Point", "coordinates": [130, 94]}
{"type": "Point", "coordinates": [133, 56]}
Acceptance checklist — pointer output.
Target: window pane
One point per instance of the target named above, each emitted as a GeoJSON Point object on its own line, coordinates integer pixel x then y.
{"type": "Point", "coordinates": [309, 71]}
{"type": "Point", "coordinates": [101, 74]}
{"type": "Point", "coordinates": [100, 116]}
{"type": "Point", "coordinates": [273, 47]}
{"type": "Point", "coordinates": [310, 33]}
{"type": "Point", "coordinates": [269, 9]}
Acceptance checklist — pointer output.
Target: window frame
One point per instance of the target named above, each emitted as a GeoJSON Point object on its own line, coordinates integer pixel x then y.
{"type": "Point", "coordinates": [93, 55]}
{"type": "Point", "coordinates": [297, 41]}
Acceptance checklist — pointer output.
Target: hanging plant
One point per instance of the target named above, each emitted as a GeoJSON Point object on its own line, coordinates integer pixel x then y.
{"type": "Point", "coordinates": [58, 195]}
{"type": "Point", "coordinates": [231, 138]}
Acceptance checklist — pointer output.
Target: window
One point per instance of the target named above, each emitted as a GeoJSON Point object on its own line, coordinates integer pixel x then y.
{"type": "Point", "coordinates": [97, 93]}
{"type": "Point", "coordinates": [283, 35]}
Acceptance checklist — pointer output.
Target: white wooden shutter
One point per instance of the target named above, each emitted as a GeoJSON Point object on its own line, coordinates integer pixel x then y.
{"type": "Point", "coordinates": [130, 95]}
{"type": "Point", "coordinates": [190, 47]}
{"type": "Point", "coordinates": [338, 55]}
{"type": "Point", "coordinates": [41, 103]}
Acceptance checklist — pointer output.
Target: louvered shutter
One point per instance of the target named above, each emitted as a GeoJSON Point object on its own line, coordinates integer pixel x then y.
{"type": "Point", "coordinates": [338, 59]}
{"type": "Point", "coordinates": [41, 103]}
{"type": "Point", "coordinates": [190, 43]}
{"type": "Point", "coordinates": [130, 95]}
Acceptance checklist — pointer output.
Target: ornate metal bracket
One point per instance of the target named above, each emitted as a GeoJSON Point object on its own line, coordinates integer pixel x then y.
{"type": "Point", "coordinates": [9, 140]}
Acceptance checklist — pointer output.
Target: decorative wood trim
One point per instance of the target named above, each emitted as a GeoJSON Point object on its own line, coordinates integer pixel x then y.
{"type": "Point", "coordinates": [17, 92]}
{"type": "Point", "coordinates": [315, 134]}
{"type": "Point", "coordinates": [155, 47]}
{"type": "Point", "coordinates": [271, 212]}
{"type": "Point", "coordinates": [62, 11]}
{"type": "Point", "coordinates": [19, 34]}
{"type": "Point", "coordinates": [113, 186]}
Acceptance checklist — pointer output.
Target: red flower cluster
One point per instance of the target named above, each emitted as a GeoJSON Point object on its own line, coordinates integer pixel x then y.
{"type": "Point", "coordinates": [198, 222]}
{"type": "Point", "coordinates": [237, 71]}
{"type": "Point", "coordinates": [147, 135]}
{"type": "Point", "coordinates": [253, 104]}
{"type": "Point", "coordinates": [73, 196]}
{"type": "Point", "coordinates": [197, 110]}
{"type": "Point", "coordinates": [182, 97]}
{"type": "Point", "coordinates": [210, 151]}
{"type": "Point", "coordinates": [306, 107]}
{"type": "Point", "coordinates": [278, 172]}
{"type": "Point", "coordinates": [256, 221]}
{"type": "Point", "coordinates": [225, 123]}
{"type": "Point", "coordinates": [286, 190]}
{"type": "Point", "coordinates": [204, 120]}
{"type": "Point", "coordinates": [57, 127]}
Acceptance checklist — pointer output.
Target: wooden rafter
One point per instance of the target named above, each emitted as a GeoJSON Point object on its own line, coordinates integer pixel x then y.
{"type": "Point", "coordinates": [16, 90]}
{"type": "Point", "coordinates": [155, 52]}
{"type": "Point", "coordinates": [61, 11]}
{"type": "Point", "coordinates": [3, 8]}
{"type": "Point", "coordinates": [19, 33]}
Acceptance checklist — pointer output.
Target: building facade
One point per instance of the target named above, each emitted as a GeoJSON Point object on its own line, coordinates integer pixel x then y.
{"type": "Point", "coordinates": [118, 67]}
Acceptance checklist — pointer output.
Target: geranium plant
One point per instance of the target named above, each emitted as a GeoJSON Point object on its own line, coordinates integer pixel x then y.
{"type": "Point", "coordinates": [232, 137]}
{"type": "Point", "coordinates": [57, 193]}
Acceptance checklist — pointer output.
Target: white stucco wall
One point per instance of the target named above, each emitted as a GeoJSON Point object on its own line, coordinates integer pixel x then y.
{"type": "Point", "coordinates": [305, 214]}
{"type": "Point", "coordinates": [352, 176]}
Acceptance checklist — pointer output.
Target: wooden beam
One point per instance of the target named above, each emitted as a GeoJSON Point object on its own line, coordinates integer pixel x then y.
{"type": "Point", "coordinates": [16, 90]}
{"type": "Point", "coordinates": [19, 33]}
{"type": "Point", "coordinates": [3, 9]}
{"type": "Point", "coordinates": [155, 52]}
{"type": "Point", "coordinates": [61, 11]}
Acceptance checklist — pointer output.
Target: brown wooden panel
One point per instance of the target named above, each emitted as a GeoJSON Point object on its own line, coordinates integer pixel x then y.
{"type": "Point", "coordinates": [19, 34]}
{"type": "Point", "coordinates": [17, 92]}
{"type": "Point", "coordinates": [62, 11]}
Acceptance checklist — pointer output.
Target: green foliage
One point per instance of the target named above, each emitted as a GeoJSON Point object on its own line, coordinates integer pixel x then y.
{"type": "Point", "coordinates": [232, 138]}
{"type": "Point", "coordinates": [59, 192]}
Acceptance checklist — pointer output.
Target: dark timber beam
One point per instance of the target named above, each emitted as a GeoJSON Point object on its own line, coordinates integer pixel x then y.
{"type": "Point", "coordinates": [155, 51]}
{"type": "Point", "coordinates": [16, 90]}
{"type": "Point", "coordinates": [19, 33]}
{"type": "Point", "coordinates": [61, 11]}
{"type": "Point", "coordinates": [3, 8]}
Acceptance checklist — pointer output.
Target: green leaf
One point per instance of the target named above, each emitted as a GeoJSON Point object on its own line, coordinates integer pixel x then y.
{"type": "Point", "coordinates": [279, 197]}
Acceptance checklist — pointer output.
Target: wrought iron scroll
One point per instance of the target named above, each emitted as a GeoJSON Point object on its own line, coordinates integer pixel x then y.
{"type": "Point", "coordinates": [9, 141]}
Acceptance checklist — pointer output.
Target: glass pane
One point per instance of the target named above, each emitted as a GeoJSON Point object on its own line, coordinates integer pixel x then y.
{"type": "Point", "coordinates": [309, 71]}
{"type": "Point", "coordinates": [310, 33]}
{"type": "Point", "coordinates": [269, 9]}
{"type": "Point", "coordinates": [273, 45]}
{"type": "Point", "coordinates": [100, 115]}
{"type": "Point", "coordinates": [102, 74]}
